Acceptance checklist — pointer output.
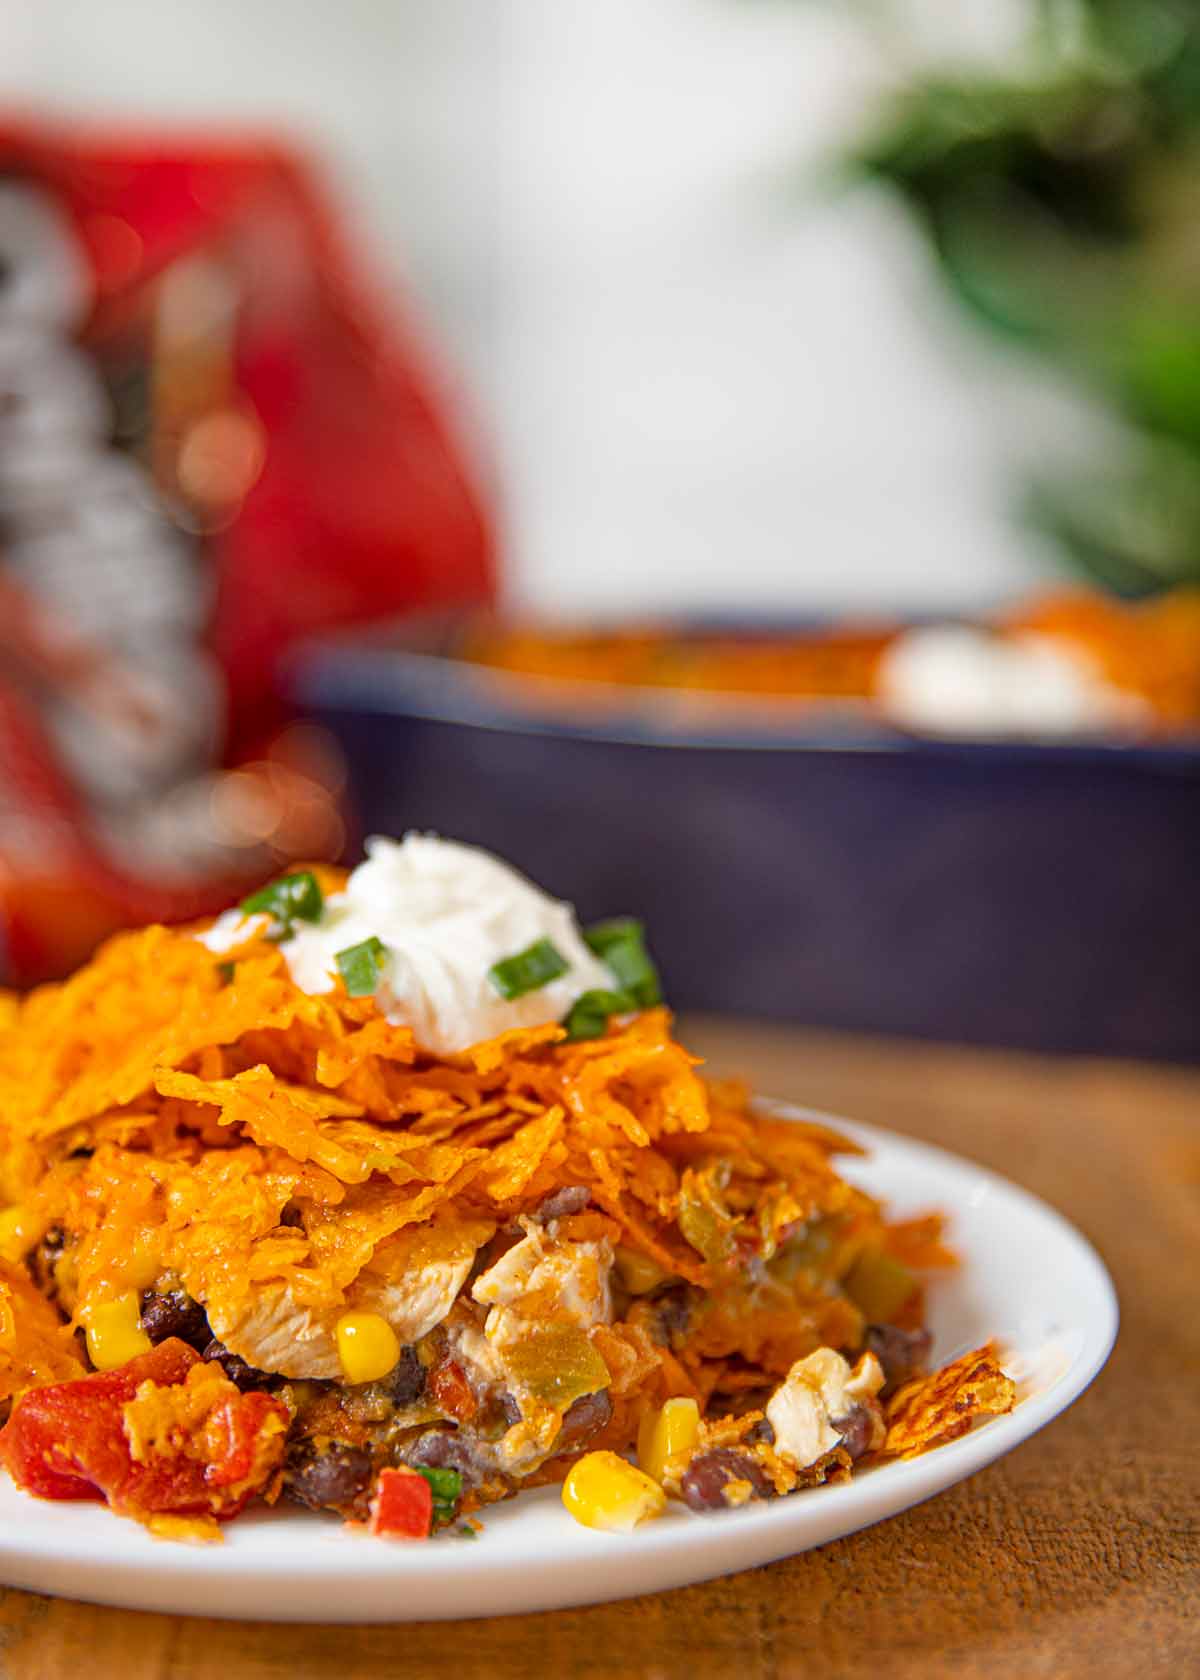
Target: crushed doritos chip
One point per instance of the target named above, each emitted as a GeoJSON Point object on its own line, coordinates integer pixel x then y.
{"type": "Point", "coordinates": [931, 1410]}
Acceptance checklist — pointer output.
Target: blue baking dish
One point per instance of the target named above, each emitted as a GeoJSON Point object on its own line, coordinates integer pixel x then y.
{"type": "Point", "coordinates": [828, 871]}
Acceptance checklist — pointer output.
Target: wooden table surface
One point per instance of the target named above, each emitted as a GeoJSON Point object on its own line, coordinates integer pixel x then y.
{"type": "Point", "coordinates": [1078, 1554]}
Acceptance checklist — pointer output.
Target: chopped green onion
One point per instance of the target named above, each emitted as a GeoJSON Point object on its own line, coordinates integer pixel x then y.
{"type": "Point", "coordinates": [446, 1487]}
{"type": "Point", "coordinates": [588, 1017]}
{"type": "Point", "coordinates": [445, 1484]}
{"type": "Point", "coordinates": [603, 934]}
{"type": "Point", "coordinates": [360, 965]}
{"type": "Point", "coordinates": [291, 899]}
{"type": "Point", "coordinates": [225, 972]}
{"type": "Point", "coordinates": [621, 946]}
{"type": "Point", "coordinates": [528, 970]}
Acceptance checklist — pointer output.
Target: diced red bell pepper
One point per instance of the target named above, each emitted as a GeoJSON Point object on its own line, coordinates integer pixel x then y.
{"type": "Point", "coordinates": [402, 1505]}
{"type": "Point", "coordinates": [69, 1441]}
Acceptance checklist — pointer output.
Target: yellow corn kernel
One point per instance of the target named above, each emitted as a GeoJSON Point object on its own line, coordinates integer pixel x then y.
{"type": "Point", "coordinates": [667, 1439]}
{"type": "Point", "coordinates": [637, 1271]}
{"type": "Point", "coordinates": [367, 1346]}
{"type": "Point", "coordinates": [114, 1334]}
{"type": "Point", "coordinates": [13, 1241]}
{"type": "Point", "coordinates": [603, 1491]}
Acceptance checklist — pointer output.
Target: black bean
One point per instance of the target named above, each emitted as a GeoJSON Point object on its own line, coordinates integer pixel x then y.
{"type": "Point", "coordinates": [856, 1430]}
{"type": "Point", "coordinates": [326, 1476]}
{"type": "Point", "coordinates": [174, 1313]}
{"type": "Point", "coordinates": [443, 1449]}
{"type": "Point", "coordinates": [45, 1257]}
{"type": "Point", "coordinates": [407, 1380]}
{"type": "Point", "coordinates": [763, 1430]}
{"type": "Point", "coordinates": [240, 1374]}
{"type": "Point", "coordinates": [582, 1419]}
{"type": "Point", "coordinates": [704, 1481]}
{"type": "Point", "coordinates": [572, 1198]}
{"type": "Point", "coordinates": [497, 1415]}
{"type": "Point", "coordinates": [674, 1313]}
{"type": "Point", "coordinates": [901, 1353]}
{"type": "Point", "coordinates": [508, 1236]}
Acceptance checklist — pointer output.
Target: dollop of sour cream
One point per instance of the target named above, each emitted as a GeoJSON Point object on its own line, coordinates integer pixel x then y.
{"type": "Point", "coordinates": [957, 680]}
{"type": "Point", "coordinates": [445, 913]}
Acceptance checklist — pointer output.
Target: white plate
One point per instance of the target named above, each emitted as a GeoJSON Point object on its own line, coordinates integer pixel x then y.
{"type": "Point", "coordinates": [1028, 1278]}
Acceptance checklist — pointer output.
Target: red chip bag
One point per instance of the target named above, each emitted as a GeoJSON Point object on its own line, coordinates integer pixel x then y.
{"type": "Point", "coordinates": [214, 442]}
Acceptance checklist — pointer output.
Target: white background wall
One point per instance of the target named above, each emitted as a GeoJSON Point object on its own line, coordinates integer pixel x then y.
{"type": "Point", "coordinates": [697, 379]}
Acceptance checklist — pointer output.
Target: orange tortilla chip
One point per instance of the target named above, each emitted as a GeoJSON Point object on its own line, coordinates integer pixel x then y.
{"type": "Point", "coordinates": [35, 1345]}
{"type": "Point", "coordinates": [917, 1243]}
{"type": "Point", "coordinates": [271, 1112]}
{"type": "Point", "coordinates": [237, 1134]}
{"type": "Point", "coordinates": [514, 1162]}
{"type": "Point", "coordinates": [930, 1410]}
